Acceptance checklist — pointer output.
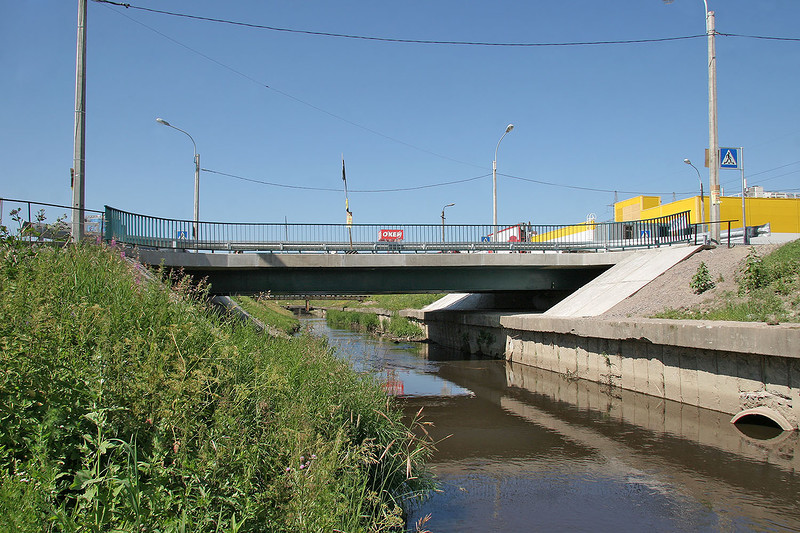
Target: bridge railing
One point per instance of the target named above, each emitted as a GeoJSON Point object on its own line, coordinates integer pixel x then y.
{"type": "Point", "coordinates": [156, 232]}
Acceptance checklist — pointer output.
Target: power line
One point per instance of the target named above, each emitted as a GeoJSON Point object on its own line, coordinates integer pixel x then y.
{"type": "Point", "coordinates": [428, 186]}
{"type": "Point", "coordinates": [329, 189]}
{"type": "Point", "coordinates": [431, 41]}
{"type": "Point", "coordinates": [762, 37]}
{"type": "Point", "coordinates": [374, 132]}
{"type": "Point", "coordinates": [776, 168]}
{"type": "Point", "coordinates": [287, 95]}
{"type": "Point", "coordinates": [580, 188]}
{"type": "Point", "coordinates": [390, 39]}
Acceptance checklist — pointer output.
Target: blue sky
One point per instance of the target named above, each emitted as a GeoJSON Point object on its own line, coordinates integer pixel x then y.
{"type": "Point", "coordinates": [282, 107]}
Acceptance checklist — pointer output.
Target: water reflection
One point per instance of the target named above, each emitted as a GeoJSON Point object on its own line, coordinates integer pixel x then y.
{"type": "Point", "coordinates": [397, 365]}
{"type": "Point", "coordinates": [529, 450]}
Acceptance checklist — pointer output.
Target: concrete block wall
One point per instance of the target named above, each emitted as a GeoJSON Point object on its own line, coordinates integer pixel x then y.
{"type": "Point", "coordinates": [655, 414]}
{"type": "Point", "coordinates": [723, 366]}
{"type": "Point", "coordinates": [701, 375]}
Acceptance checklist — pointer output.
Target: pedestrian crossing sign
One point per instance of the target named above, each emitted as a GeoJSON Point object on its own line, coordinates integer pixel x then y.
{"type": "Point", "coordinates": [729, 158]}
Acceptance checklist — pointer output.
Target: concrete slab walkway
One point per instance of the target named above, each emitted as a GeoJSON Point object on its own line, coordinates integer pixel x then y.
{"type": "Point", "coordinates": [620, 281]}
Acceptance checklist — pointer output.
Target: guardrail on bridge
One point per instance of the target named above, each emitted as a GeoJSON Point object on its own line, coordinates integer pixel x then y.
{"type": "Point", "coordinates": [160, 233]}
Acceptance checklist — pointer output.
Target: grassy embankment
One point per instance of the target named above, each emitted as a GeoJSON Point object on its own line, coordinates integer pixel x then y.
{"type": "Point", "coordinates": [128, 406]}
{"type": "Point", "coordinates": [768, 290]}
{"type": "Point", "coordinates": [341, 313]}
{"type": "Point", "coordinates": [270, 312]}
{"type": "Point", "coordinates": [397, 327]}
{"type": "Point", "coordinates": [389, 302]}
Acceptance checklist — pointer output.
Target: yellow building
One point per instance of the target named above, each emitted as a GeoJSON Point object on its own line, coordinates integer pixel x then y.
{"type": "Point", "coordinates": [782, 214]}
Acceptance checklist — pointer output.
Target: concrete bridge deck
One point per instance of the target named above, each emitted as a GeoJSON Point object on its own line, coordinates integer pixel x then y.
{"type": "Point", "coordinates": [388, 273]}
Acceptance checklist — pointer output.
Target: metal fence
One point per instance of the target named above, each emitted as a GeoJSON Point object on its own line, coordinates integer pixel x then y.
{"type": "Point", "coordinates": [45, 222]}
{"type": "Point", "coordinates": [155, 232]}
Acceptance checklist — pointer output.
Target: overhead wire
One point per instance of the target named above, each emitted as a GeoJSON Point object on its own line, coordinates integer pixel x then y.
{"type": "Point", "coordinates": [409, 41]}
{"type": "Point", "coordinates": [428, 41]}
{"type": "Point", "coordinates": [329, 189]}
{"type": "Point", "coordinates": [287, 95]}
{"type": "Point", "coordinates": [427, 186]}
{"type": "Point", "coordinates": [390, 39]}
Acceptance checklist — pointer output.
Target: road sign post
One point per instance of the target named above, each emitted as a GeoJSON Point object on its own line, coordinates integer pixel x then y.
{"type": "Point", "coordinates": [731, 159]}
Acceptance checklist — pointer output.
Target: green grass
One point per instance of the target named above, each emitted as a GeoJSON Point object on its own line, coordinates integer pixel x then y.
{"type": "Point", "coordinates": [769, 291]}
{"type": "Point", "coordinates": [396, 327]}
{"type": "Point", "coordinates": [270, 313]}
{"type": "Point", "coordinates": [402, 328]}
{"type": "Point", "coordinates": [367, 322]}
{"type": "Point", "coordinates": [128, 406]}
{"type": "Point", "coordinates": [390, 302]}
{"type": "Point", "coordinates": [398, 302]}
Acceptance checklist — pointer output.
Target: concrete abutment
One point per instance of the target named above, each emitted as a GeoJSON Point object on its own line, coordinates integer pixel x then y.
{"type": "Point", "coordinates": [729, 367]}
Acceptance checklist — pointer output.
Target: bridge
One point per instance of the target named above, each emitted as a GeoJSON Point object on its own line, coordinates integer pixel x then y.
{"type": "Point", "coordinates": [390, 258]}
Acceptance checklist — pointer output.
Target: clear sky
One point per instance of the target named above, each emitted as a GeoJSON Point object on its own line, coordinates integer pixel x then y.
{"type": "Point", "coordinates": [276, 107]}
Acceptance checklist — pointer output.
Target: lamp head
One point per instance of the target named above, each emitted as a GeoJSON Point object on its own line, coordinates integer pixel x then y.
{"type": "Point", "coordinates": [687, 161]}
{"type": "Point", "coordinates": [162, 121]}
{"type": "Point", "coordinates": [509, 128]}
{"type": "Point", "coordinates": [450, 205]}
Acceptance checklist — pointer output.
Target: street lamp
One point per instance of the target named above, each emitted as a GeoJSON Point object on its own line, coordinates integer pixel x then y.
{"type": "Point", "coordinates": [494, 182]}
{"type": "Point", "coordinates": [196, 176]}
{"type": "Point", "coordinates": [448, 205]}
{"type": "Point", "coordinates": [702, 201]}
{"type": "Point", "coordinates": [713, 139]}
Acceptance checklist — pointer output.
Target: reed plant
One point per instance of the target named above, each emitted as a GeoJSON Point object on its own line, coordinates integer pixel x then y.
{"type": "Point", "coordinates": [400, 327]}
{"type": "Point", "coordinates": [366, 322]}
{"type": "Point", "coordinates": [127, 405]}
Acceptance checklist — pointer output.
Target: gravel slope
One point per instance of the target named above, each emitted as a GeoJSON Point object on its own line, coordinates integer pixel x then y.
{"type": "Point", "coordinates": [671, 290]}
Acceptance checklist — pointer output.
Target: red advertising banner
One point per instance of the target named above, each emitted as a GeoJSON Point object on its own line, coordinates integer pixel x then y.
{"type": "Point", "coordinates": [390, 235]}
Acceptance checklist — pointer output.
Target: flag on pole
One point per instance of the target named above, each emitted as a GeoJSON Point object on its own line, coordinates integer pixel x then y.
{"type": "Point", "coordinates": [346, 200]}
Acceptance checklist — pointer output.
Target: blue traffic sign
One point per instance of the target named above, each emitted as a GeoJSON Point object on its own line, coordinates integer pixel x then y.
{"type": "Point", "coordinates": [729, 158]}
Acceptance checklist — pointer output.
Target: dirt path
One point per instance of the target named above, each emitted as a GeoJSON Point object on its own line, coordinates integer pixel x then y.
{"type": "Point", "coordinates": [671, 290]}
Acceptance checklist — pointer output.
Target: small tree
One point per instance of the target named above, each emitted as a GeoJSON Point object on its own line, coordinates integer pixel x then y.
{"type": "Point", "coordinates": [755, 275]}
{"type": "Point", "coordinates": [701, 281]}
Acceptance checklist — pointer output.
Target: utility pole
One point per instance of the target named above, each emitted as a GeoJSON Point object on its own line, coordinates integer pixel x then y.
{"type": "Point", "coordinates": [713, 139]}
{"type": "Point", "coordinates": [79, 160]}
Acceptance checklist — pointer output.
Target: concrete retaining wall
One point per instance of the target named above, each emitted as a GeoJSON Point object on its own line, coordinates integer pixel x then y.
{"type": "Point", "coordinates": [724, 366]}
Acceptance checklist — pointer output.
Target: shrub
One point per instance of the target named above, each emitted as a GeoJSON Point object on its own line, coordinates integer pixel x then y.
{"type": "Point", "coordinates": [368, 322]}
{"type": "Point", "coordinates": [402, 328]}
{"type": "Point", "coordinates": [755, 274]}
{"type": "Point", "coordinates": [701, 281]}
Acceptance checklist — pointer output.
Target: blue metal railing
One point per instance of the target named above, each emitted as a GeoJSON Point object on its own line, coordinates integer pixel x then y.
{"type": "Point", "coordinates": [155, 232]}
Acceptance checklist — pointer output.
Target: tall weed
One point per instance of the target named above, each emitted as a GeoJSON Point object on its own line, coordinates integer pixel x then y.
{"type": "Point", "coordinates": [127, 405]}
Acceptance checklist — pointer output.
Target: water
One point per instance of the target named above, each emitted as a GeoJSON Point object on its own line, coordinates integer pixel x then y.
{"type": "Point", "coordinates": [526, 450]}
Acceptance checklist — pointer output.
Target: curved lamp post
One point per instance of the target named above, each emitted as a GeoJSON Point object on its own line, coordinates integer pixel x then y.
{"type": "Point", "coordinates": [494, 182]}
{"type": "Point", "coordinates": [702, 201]}
{"type": "Point", "coordinates": [196, 175]}
{"type": "Point", "coordinates": [448, 205]}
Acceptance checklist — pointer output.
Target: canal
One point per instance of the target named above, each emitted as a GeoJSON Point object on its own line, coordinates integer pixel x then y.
{"type": "Point", "coordinates": [523, 449]}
